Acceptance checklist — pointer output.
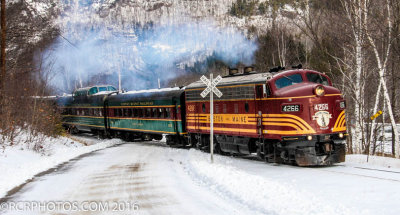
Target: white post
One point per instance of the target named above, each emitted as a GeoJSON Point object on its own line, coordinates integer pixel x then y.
{"type": "Point", "coordinates": [211, 88]}
{"type": "Point", "coordinates": [211, 120]}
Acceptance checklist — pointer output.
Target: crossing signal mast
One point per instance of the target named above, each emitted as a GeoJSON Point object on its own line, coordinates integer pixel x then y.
{"type": "Point", "coordinates": [211, 88]}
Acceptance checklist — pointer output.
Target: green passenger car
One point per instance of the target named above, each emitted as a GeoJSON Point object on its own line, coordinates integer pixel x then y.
{"type": "Point", "coordinates": [147, 114]}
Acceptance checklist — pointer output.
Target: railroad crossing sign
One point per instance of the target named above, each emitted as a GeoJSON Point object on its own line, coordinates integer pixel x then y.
{"type": "Point", "coordinates": [211, 87]}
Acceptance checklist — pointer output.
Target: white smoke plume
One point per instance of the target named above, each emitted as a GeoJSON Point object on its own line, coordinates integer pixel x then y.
{"type": "Point", "coordinates": [97, 52]}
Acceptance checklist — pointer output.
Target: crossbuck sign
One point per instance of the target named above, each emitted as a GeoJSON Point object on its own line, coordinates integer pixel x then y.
{"type": "Point", "coordinates": [211, 87]}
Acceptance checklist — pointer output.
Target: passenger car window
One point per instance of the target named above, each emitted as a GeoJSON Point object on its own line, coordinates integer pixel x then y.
{"type": "Point", "coordinates": [93, 90]}
{"type": "Point", "coordinates": [101, 89]}
{"type": "Point", "coordinates": [160, 111]}
{"type": "Point", "coordinates": [288, 81]}
{"type": "Point", "coordinates": [111, 88]}
{"type": "Point", "coordinates": [317, 78]}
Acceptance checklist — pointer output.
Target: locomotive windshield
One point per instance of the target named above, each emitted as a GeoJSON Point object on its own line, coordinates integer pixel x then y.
{"type": "Point", "coordinates": [317, 78]}
{"type": "Point", "coordinates": [288, 80]}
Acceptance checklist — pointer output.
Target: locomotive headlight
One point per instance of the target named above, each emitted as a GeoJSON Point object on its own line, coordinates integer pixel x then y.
{"type": "Point", "coordinates": [341, 135]}
{"type": "Point", "coordinates": [309, 137]}
{"type": "Point", "coordinates": [319, 91]}
{"type": "Point", "coordinates": [342, 105]}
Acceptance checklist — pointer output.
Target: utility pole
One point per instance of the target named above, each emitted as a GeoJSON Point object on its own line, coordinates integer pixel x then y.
{"type": "Point", "coordinates": [3, 46]}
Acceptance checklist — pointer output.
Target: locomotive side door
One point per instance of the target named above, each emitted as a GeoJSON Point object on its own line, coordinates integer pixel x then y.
{"type": "Point", "coordinates": [259, 108]}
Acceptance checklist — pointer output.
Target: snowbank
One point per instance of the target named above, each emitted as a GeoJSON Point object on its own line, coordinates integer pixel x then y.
{"type": "Point", "coordinates": [19, 163]}
{"type": "Point", "coordinates": [378, 161]}
{"type": "Point", "coordinates": [261, 194]}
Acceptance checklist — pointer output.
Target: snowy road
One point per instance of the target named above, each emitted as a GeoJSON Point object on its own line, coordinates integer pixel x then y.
{"type": "Point", "coordinates": [160, 180]}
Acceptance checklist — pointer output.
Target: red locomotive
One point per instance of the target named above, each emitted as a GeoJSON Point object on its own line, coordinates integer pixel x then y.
{"type": "Point", "coordinates": [293, 116]}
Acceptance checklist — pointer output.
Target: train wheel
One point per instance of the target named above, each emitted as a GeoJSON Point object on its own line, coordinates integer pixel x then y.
{"type": "Point", "coordinates": [204, 143]}
{"type": "Point", "coordinates": [102, 135]}
{"type": "Point", "coordinates": [272, 153]}
{"type": "Point", "coordinates": [157, 137]}
{"type": "Point", "coordinates": [73, 130]}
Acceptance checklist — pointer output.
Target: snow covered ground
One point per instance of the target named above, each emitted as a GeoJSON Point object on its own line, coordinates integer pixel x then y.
{"type": "Point", "coordinates": [161, 180]}
{"type": "Point", "coordinates": [20, 163]}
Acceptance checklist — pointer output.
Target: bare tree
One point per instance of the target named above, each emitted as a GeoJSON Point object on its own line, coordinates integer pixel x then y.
{"type": "Point", "coordinates": [382, 61]}
{"type": "Point", "coordinates": [3, 48]}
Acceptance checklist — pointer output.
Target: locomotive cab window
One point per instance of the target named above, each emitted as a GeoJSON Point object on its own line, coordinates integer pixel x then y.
{"type": "Point", "coordinates": [204, 108]}
{"type": "Point", "coordinates": [317, 78]}
{"type": "Point", "coordinates": [288, 81]}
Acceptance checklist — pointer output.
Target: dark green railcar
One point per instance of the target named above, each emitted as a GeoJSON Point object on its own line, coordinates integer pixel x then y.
{"type": "Point", "coordinates": [143, 114]}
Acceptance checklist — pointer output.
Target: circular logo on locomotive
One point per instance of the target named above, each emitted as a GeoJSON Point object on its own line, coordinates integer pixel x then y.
{"type": "Point", "coordinates": [191, 108]}
{"type": "Point", "coordinates": [322, 118]}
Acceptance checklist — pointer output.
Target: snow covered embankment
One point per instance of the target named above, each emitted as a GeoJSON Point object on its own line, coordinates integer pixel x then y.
{"type": "Point", "coordinates": [19, 163]}
{"type": "Point", "coordinates": [257, 193]}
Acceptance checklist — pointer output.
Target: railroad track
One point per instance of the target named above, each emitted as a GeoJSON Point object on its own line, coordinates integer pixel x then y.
{"type": "Point", "coordinates": [325, 169]}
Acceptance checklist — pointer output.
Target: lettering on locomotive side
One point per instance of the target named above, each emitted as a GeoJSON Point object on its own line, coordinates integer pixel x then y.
{"type": "Point", "coordinates": [217, 119]}
{"type": "Point", "coordinates": [242, 119]}
{"type": "Point", "coordinates": [137, 103]}
{"type": "Point", "coordinates": [221, 118]}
